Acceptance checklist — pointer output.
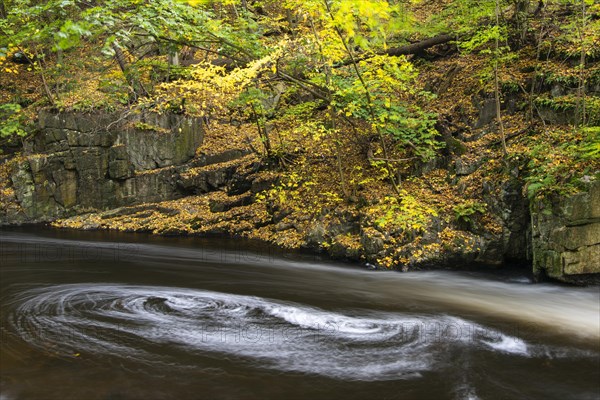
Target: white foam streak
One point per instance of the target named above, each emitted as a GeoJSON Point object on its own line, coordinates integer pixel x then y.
{"type": "Point", "coordinates": [117, 319]}
{"type": "Point", "coordinates": [508, 344]}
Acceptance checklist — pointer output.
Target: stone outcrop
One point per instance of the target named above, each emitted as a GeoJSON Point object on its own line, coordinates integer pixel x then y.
{"type": "Point", "coordinates": [566, 237]}
{"type": "Point", "coordinates": [511, 206]}
{"type": "Point", "coordinates": [82, 162]}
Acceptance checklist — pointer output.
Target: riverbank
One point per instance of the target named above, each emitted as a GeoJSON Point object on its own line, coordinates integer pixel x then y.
{"type": "Point", "coordinates": [492, 184]}
{"type": "Point", "coordinates": [480, 217]}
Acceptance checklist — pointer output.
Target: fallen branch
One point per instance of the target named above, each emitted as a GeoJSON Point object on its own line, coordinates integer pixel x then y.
{"type": "Point", "coordinates": [393, 159]}
{"type": "Point", "coordinates": [512, 136]}
{"type": "Point", "coordinates": [418, 47]}
{"type": "Point", "coordinates": [412, 48]}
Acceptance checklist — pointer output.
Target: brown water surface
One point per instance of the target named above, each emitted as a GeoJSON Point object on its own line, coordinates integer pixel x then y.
{"type": "Point", "coordinates": [121, 316]}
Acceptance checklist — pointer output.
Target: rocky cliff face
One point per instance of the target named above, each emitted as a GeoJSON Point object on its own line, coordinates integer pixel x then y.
{"type": "Point", "coordinates": [566, 237]}
{"type": "Point", "coordinates": [82, 162]}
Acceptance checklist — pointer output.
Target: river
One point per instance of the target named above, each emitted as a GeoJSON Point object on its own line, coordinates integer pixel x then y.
{"type": "Point", "coordinates": [100, 315]}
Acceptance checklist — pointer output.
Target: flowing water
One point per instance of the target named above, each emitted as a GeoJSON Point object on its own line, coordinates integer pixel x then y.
{"type": "Point", "coordinates": [116, 316]}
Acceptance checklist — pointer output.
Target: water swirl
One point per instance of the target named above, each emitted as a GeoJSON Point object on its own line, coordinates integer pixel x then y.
{"type": "Point", "coordinates": [135, 321]}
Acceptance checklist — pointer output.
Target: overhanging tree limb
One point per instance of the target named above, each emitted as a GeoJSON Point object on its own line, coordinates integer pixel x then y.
{"type": "Point", "coordinates": [195, 44]}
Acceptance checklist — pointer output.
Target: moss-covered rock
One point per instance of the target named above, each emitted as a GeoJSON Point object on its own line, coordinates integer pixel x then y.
{"type": "Point", "coordinates": [566, 236]}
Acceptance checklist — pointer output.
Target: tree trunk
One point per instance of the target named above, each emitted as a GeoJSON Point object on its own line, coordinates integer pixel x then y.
{"type": "Point", "coordinates": [174, 58]}
{"type": "Point", "coordinates": [137, 89]}
{"type": "Point", "coordinates": [120, 57]}
{"type": "Point", "coordinates": [539, 8]}
{"type": "Point", "coordinates": [580, 117]}
{"type": "Point", "coordinates": [521, 18]}
{"type": "Point", "coordinates": [497, 84]}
